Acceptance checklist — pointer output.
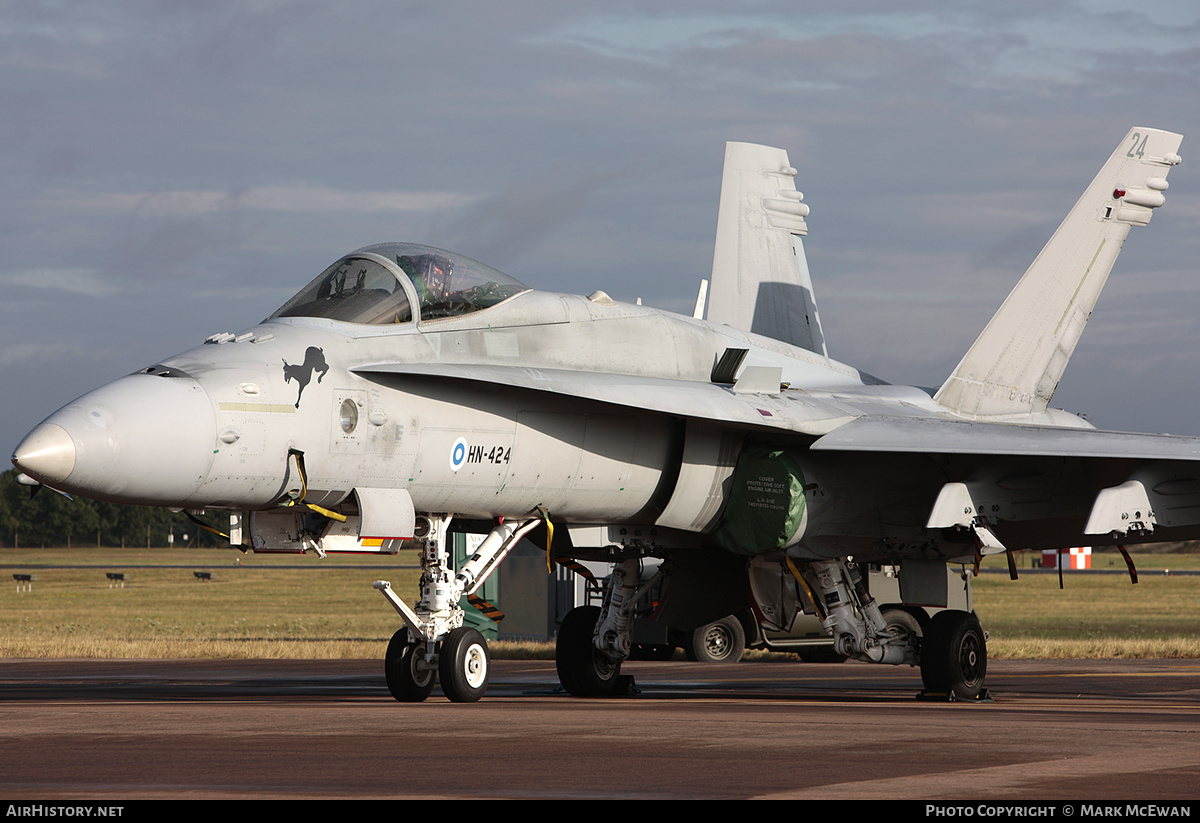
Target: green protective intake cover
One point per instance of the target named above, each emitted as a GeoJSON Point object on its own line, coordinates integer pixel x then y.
{"type": "Point", "coordinates": [766, 503]}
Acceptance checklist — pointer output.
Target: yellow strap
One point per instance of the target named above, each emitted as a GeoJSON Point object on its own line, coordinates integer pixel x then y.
{"type": "Point", "coordinates": [332, 515]}
{"type": "Point", "coordinates": [303, 479]}
{"type": "Point", "coordinates": [549, 537]}
{"type": "Point", "coordinates": [204, 525]}
{"type": "Point", "coordinates": [321, 510]}
{"type": "Point", "coordinates": [800, 579]}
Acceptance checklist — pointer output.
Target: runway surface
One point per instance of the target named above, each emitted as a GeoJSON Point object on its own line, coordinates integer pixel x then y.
{"type": "Point", "coordinates": [1056, 730]}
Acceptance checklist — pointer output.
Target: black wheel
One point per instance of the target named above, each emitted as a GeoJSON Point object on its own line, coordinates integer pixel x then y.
{"type": "Point", "coordinates": [954, 655]}
{"type": "Point", "coordinates": [406, 682]}
{"type": "Point", "coordinates": [464, 665]}
{"type": "Point", "coordinates": [582, 669]}
{"type": "Point", "coordinates": [721, 642]}
{"type": "Point", "coordinates": [902, 621]}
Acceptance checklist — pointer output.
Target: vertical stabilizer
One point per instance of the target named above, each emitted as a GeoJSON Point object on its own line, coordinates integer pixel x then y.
{"type": "Point", "coordinates": [760, 279]}
{"type": "Point", "coordinates": [1015, 365]}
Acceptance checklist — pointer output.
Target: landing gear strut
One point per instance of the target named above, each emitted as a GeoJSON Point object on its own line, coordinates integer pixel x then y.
{"type": "Point", "coordinates": [952, 653]}
{"type": "Point", "coordinates": [854, 619]}
{"type": "Point", "coordinates": [434, 643]}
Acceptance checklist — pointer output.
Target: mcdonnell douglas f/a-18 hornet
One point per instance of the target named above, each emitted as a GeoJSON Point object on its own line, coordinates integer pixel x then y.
{"type": "Point", "coordinates": [408, 393]}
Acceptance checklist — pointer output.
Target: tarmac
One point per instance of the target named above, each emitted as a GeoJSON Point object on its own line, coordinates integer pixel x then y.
{"type": "Point", "coordinates": [115, 730]}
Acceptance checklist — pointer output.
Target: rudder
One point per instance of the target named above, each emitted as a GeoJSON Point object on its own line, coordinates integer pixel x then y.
{"type": "Point", "coordinates": [760, 278]}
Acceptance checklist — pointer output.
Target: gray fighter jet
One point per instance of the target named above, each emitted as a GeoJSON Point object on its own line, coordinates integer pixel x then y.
{"type": "Point", "coordinates": [408, 391]}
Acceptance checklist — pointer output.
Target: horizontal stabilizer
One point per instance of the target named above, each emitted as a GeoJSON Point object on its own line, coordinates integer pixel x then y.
{"type": "Point", "coordinates": [1016, 363]}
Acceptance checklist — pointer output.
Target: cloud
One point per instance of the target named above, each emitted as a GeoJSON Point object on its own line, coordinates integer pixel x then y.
{"type": "Point", "coordinates": [87, 282]}
{"type": "Point", "coordinates": [26, 355]}
{"type": "Point", "coordinates": [207, 159]}
{"type": "Point", "coordinates": [299, 198]}
{"type": "Point", "coordinates": [512, 222]}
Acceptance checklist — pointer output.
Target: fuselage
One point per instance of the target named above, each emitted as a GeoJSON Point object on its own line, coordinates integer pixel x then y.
{"type": "Point", "coordinates": [491, 401]}
{"type": "Point", "coordinates": [212, 427]}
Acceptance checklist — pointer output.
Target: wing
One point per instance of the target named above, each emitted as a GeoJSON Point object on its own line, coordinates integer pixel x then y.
{"type": "Point", "coordinates": [931, 435]}
{"type": "Point", "coordinates": [995, 477]}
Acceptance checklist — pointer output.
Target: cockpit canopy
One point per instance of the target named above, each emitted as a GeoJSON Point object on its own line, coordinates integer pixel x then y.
{"type": "Point", "coordinates": [377, 285]}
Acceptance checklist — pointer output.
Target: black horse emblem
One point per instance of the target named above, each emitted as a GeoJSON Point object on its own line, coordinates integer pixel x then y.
{"type": "Point", "coordinates": [314, 361]}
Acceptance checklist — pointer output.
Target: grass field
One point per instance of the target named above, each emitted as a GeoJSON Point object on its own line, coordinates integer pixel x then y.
{"type": "Point", "coordinates": [252, 608]}
{"type": "Point", "coordinates": [256, 608]}
{"type": "Point", "coordinates": [1091, 616]}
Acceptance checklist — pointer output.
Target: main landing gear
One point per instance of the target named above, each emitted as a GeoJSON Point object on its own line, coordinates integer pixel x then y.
{"type": "Point", "coordinates": [593, 642]}
{"type": "Point", "coordinates": [434, 644]}
{"type": "Point", "coordinates": [952, 653]}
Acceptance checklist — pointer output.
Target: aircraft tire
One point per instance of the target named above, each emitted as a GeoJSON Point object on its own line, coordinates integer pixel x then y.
{"type": "Point", "coordinates": [405, 681]}
{"type": "Point", "coordinates": [464, 665]}
{"type": "Point", "coordinates": [723, 641]}
{"type": "Point", "coordinates": [900, 619]}
{"type": "Point", "coordinates": [582, 669]}
{"type": "Point", "coordinates": [954, 655]}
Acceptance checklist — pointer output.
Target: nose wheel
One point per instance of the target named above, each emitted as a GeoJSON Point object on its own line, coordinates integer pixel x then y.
{"type": "Point", "coordinates": [409, 677]}
{"type": "Point", "coordinates": [462, 663]}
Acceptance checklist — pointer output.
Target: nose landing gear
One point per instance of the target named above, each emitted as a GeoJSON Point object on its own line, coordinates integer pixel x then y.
{"type": "Point", "coordinates": [434, 643]}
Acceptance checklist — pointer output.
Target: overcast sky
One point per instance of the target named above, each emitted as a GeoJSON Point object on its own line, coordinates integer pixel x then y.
{"type": "Point", "coordinates": [172, 169]}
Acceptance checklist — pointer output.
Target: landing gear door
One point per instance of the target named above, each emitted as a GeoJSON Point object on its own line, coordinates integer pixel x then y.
{"type": "Point", "coordinates": [777, 596]}
{"type": "Point", "coordinates": [386, 513]}
{"type": "Point", "coordinates": [385, 519]}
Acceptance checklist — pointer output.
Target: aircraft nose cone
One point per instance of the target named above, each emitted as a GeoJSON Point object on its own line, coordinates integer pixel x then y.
{"type": "Point", "coordinates": [47, 454]}
{"type": "Point", "coordinates": [144, 439]}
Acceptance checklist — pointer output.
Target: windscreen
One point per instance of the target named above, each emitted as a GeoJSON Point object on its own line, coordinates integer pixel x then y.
{"type": "Point", "coordinates": [358, 289]}
{"type": "Point", "coordinates": [353, 290]}
{"type": "Point", "coordinates": [450, 285]}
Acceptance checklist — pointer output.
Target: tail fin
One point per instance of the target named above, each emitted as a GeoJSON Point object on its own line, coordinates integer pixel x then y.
{"type": "Point", "coordinates": [1016, 363]}
{"type": "Point", "coordinates": [760, 279]}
